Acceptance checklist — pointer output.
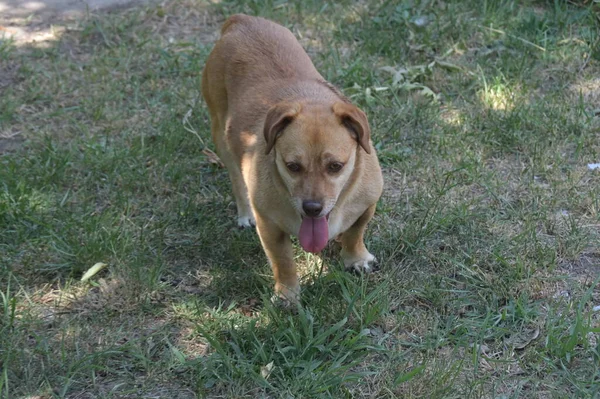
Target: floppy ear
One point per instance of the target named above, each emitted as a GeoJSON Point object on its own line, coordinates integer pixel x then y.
{"type": "Point", "coordinates": [278, 118]}
{"type": "Point", "coordinates": [356, 122]}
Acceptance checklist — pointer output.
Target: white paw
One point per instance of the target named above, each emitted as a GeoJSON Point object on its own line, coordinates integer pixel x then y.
{"type": "Point", "coordinates": [284, 302]}
{"type": "Point", "coordinates": [246, 222]}
{"type": "Point", "coordinates": [366, 264]}
{"type": "Point", "coordinates": [285, 297]}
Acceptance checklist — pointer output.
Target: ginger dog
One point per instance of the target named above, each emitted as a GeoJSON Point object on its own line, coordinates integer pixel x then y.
{"type": "Point", "coordinates": [298, 153]}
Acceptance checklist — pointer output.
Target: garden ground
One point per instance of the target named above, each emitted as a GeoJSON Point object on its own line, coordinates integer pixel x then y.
{"type": "Point", "coordinates": [485, 116]}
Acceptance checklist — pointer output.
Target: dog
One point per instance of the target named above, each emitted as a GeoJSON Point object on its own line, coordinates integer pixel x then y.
{"type": "Point", "coordinates": [298, 153]}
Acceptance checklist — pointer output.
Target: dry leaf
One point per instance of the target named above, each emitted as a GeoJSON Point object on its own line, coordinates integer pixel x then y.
{"type": "Point", "coordinates": [265, 371]}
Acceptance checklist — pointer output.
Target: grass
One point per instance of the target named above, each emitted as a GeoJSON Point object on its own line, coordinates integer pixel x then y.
{"type": "Point", "coordinates": [485, 116]}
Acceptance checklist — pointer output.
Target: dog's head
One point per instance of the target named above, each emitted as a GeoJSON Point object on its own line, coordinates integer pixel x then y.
{"type": "Point", "coordinates": [315, 150]}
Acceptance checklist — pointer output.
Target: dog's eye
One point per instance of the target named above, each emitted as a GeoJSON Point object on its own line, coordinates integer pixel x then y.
{"type": "Point", "coordinates": [293, 167]}
{"type": "Point", "coordinates": [335, 167]}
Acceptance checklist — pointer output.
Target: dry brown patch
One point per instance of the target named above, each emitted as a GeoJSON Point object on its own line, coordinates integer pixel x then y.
{"type": "Point", "coordinates": [584, 269]}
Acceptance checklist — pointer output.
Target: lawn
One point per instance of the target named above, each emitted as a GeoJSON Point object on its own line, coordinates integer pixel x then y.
{"type": "Point", "coordinates": [485, 115]}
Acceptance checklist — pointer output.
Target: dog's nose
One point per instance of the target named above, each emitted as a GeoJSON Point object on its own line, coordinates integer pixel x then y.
{"type": "Point", "coordinates": [312, 208]}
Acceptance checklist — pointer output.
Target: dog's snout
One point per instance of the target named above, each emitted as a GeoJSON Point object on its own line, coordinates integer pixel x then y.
{"type": "Point", "coordinates": [312, 208]}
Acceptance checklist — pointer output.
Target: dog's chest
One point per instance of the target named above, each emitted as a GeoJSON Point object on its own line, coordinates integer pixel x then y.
{"type": "Point", "coordinates": [339, 222]}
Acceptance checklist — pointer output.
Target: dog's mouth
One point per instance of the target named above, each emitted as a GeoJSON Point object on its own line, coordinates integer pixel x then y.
{"type": "Point", "coordinates": [314, 233]}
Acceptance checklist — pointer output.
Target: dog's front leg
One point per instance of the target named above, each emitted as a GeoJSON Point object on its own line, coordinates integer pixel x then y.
{"type": "Point", "coordinates": [355, 255]}
{"type": "Point", "coordinates": [278, 248]}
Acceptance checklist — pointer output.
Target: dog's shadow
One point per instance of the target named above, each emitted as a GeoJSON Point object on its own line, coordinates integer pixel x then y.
{"type": "Point", "coordinates": [220, 263]}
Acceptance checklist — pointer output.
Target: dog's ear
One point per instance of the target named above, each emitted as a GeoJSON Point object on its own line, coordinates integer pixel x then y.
{"type": "Point", "coordinates": [278, 118]}
{"type": "Point", "coordinates": [356, 122]}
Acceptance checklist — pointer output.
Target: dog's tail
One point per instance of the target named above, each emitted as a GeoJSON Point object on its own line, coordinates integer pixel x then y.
{"type": "Point", "coordinates": [233, 20]}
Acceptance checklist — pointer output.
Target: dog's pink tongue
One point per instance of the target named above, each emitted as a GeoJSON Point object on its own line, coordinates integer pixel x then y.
{"type": "Point", "coordinates": [314, 234]}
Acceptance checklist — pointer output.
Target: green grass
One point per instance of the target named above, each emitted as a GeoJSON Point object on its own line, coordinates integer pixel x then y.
{"type": "Point", "coordinates": [485, 115]}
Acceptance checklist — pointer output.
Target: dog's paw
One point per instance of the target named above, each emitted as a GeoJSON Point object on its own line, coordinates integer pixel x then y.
{"type": "Point", "coordinates": [285, 303]}
{"type": "Point", "coordinates": [286, 298]}
{"type": "Point", "coordinates": [245, 222]}
{"type": "Point", "coordinates": [366, 265]}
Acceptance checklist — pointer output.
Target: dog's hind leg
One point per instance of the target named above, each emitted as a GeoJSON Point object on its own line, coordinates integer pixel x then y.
{"type": "Point", "coordinates": [240, 191]}
{"type": "Point", "coordinates": [354, 253]}
{"type": "Point", "coordinates": [215, 95]}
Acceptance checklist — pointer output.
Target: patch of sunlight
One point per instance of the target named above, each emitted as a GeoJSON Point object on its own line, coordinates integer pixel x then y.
{"type": "Point", "coordinates": [589, 92]}
{"type": "Point", "coordinates": [40, 200]}
{"type": "Point", "coordinates": [187, 309]}
{"type": "Point", "coordinates": [352, 16]}
{"type": "Point", "coordinates": [187, 344]}
{"type": "Point", "coordinates": [32, 201]}
{"type": "Point", "coordinates": [29, 6]}
{"type": "Point", "coordinates": [308, 264]}
{"type": "Point", "coordinates": [42, 38]}
{"type": "Point", "coordinates": [498, 97]}
{"type": "Point", "coordinates": [316, 22]}
{"type": "Point", "coordinates": [452, 116]}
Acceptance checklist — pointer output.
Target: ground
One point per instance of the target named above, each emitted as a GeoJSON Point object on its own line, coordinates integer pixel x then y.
{"type": "Point", "coordinates": [28, 21]}
{"type": "Point", "coordinates": [486, 119]}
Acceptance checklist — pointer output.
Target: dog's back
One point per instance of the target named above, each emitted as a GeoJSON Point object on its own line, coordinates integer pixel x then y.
{"type": "Point", "coordinates": [269, 51]}
{"type": "Point", "coordinates": [255, 63]}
